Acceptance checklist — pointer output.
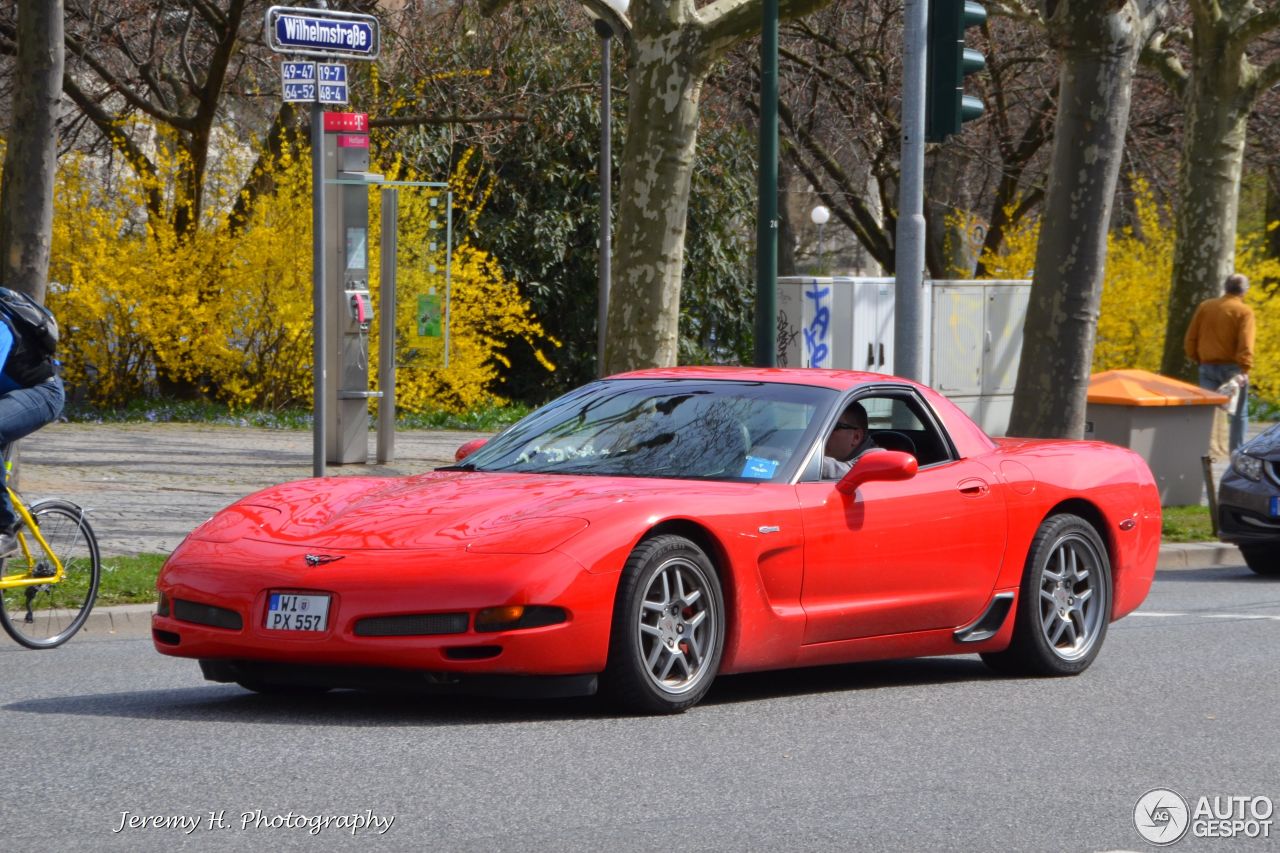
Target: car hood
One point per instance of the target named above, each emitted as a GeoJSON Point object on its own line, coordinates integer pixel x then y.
{"type": "Point", "coordinates": [1265, 445]}
{"type": "Point", "coordinates": [481, 512]}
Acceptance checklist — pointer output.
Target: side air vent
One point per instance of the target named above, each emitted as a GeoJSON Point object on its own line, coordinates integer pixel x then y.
{"type": "Point", "coordinates": [988, 624]}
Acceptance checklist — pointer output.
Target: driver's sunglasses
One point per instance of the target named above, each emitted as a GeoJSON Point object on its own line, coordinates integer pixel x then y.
{"type": "Point", "coordinates": [840, 426]}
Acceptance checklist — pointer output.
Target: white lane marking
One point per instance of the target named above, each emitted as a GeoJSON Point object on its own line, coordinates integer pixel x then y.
{"type": "Point", "coordinates": [1160, 613]}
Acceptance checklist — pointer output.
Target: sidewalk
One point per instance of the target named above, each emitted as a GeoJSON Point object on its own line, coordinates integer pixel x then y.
{"type": "Point", "coordinates": [146, 486]}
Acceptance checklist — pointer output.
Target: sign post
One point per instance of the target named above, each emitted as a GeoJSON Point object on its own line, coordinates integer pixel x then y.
{"type": "Point", "coordinates": [339, 148]}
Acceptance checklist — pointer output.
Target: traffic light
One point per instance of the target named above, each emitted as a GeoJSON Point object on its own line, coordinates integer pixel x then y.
{"type": "Point", "coordinates": [946, 104]}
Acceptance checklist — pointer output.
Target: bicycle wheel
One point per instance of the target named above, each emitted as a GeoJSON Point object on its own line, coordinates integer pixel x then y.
{"type": "Point", "coordinates": [47, 615]}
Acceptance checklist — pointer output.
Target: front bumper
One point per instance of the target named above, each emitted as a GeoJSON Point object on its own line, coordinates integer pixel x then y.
{"type": "Point", "coordinates": [217, 595]}
{"type": "Point", "coordinates": [1245, 515]}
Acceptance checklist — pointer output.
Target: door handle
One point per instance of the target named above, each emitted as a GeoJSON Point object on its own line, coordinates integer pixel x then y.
{"type": "Point", "coordinates": [871, 355]}
{"type": "Point", "coordinates": [882, 355]}
{"type": "Point", "coordinates": [974, 488]}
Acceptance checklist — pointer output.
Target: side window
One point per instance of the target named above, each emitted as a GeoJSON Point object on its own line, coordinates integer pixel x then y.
{"type": "Point", "coordinates": [900, 422]}
{"type": "Point", "coordinates": [896, 420]}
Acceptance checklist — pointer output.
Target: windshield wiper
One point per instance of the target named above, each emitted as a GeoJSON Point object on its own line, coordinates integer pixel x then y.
{"type": "Point", "coordinates": [465, 466]}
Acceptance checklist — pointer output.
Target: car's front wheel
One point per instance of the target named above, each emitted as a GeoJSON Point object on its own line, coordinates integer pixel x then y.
{"type": "Point", "coordinates": [668, 628]}
{"type": "Point", "coordinates": [1263, 559]}
{"type": "Point", "coordinates": [1064, 604]}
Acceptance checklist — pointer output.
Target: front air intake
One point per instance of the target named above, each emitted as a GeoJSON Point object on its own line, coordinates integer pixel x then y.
{"type": "Point", "coordinates": [206, 614]}
{"type": "Point", "coordinates": [412, 625]}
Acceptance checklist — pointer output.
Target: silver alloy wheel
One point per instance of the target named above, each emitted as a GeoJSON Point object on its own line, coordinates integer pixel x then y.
{"type": "Point", "coordinates": [1073, 597]}
{"type": "Point", "coordinates": [678, 626]}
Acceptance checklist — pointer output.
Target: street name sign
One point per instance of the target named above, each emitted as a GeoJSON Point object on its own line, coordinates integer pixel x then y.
{"type": "Point", "coordinates": [320, 32]}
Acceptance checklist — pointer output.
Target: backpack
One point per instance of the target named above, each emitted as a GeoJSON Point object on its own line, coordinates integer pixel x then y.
{"type": "Point", "coordinates": [35, 338]}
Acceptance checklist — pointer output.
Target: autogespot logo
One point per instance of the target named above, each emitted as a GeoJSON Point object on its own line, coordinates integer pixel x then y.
{"type": "Point", "coordinates": [1161, 816]}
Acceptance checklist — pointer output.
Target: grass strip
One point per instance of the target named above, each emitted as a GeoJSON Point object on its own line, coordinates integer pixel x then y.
{"type": "Point", "coordinates": [129, 580]}
{"type": "Point", "coordinates": [1187, 524]}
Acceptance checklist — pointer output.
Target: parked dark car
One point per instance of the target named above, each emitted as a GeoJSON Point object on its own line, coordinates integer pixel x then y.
{"type": "Point", "coordinates": [1249, 502]}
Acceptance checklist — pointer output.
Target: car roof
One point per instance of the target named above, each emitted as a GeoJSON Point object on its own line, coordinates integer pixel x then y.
{"type": "Point", "coordinates": [967, 436]}
{"type": "Point", "coordinates": [839, 380]}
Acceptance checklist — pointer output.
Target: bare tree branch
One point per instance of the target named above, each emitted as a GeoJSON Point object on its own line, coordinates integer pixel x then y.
{"type": "Point", "coordinates": [1166, 63]}
{"type": "Point", "coordinates": [80, 50]}
{"type": "Point", "coordinates": [1254, 28]}
{"type": "Point", "coordinates": [106, 124]}
{"type": "Point", "coordinates": [437, 119]}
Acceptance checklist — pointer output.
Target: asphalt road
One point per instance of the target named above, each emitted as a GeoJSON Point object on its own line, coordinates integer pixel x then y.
{"type": "Point", "coordinates": [912, 755]}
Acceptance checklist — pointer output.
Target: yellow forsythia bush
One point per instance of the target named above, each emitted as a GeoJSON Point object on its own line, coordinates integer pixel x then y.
{"type": "Point", "coordinates": [230, 310]}
{"type": "Point", "coordinates": [482, 306]}
{"type": "Point", "coordinates": [1135, 292]}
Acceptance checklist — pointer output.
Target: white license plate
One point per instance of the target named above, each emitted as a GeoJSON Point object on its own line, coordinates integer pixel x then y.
{"type": "Point", "coordinates": [289, 612]}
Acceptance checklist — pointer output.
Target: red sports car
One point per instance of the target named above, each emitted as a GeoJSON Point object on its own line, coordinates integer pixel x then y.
{"type": "Point", "coordinates": [647, 532]}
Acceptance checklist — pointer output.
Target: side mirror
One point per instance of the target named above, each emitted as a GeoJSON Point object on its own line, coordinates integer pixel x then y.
{"type": "Point", "coordinates": [467, 449]}
{"type": "Point", "coordinates": [878, 465]}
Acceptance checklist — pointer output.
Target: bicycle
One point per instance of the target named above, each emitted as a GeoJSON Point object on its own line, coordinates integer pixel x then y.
{"type": "Point", "coordinates": [50, 583]}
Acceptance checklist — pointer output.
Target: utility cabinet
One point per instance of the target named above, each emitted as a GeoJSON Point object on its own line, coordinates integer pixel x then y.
{"type": "Point", "coordinates": [973, 333]}
{"type": "Point", "coordinates": [836, 322]}
{"type": "Point", "coordinates": [975, 345]}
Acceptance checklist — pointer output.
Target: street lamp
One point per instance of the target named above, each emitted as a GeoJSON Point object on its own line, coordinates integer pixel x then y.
{"type": "Point", "coordinates": [605, 30]}
{"type": "Point", "coordinates": [820, 216]}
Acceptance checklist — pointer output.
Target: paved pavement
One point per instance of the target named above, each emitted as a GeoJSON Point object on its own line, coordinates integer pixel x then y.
{"type": "Point", "coordinates": [146, 486]}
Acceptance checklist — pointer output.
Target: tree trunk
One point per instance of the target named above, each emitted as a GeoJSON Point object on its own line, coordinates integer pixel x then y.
{"type": "Point", "coordinates": [1213, 141]}
{"type": "Point", "coordinates": [671, 45]}
{"type": "Point", "coordinates": [665, 84]}
{"type": "Point", "coordinates": [1098, 54]}
{"type": "Point", "coordinates": [1273, 210]}
{"type": "Point", "coordinates": [30, 162]}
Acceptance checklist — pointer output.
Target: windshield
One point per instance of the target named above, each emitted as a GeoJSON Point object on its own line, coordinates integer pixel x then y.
{"type": "Point", "coordinates": [668, 428]}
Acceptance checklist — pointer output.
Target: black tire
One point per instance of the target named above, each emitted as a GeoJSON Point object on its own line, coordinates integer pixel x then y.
{"type": "Point", "coordinates": [1064, 604]}
{"type": "Point", "coordinates": [668, 628]}
{"type": "Point", "coordinates": [1262, 559]}
{"type": "Point", "coordinates": [47, 615]}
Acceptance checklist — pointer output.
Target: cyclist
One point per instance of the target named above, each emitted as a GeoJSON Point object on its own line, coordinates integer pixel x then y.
{"type": "Point", "coordinates": [26, 404]}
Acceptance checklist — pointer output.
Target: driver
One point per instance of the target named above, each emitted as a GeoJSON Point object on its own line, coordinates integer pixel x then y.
{"type": "Point", "coordinates": [848, 441]}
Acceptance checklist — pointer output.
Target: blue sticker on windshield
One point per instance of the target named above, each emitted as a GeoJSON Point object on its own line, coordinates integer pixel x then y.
{"type": "Point", "coordinates": [759, 469]}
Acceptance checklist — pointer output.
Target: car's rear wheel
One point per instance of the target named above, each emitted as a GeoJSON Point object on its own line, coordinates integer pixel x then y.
{"type": "Point", "coordinates": [1064, 605]}
{"type": "Point", "coordinates": [668, 628]}
{"type": "Point", "coordinates": [1263, 559]}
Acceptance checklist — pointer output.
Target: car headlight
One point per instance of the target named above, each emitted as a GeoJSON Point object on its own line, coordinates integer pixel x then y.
{"type": "Point", "coordinates": [1249, 467]}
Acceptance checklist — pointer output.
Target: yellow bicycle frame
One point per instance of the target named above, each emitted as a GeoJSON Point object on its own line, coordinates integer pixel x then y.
{"type": "Point", "coordinates": [15, 580]}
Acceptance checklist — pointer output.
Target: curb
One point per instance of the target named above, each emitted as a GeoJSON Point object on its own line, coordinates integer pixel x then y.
{"type": "Point", "coordinates": [134, 620]}
{"type": "Point", "coordinates": [1197, 555]}
{"type": "Point", "coordinates": [124, 621]}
